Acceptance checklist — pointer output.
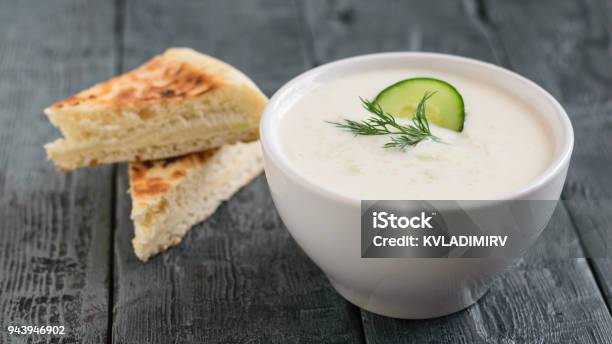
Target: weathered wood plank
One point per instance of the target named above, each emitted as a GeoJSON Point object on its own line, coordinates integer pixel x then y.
{"type": "Point", "coordinates": [541, 300]}
{"type": "Point", "coordinates": [55, 242]}
{"type": "Point", "coordinates": [349, 27]}
{"type": "Point", "coordinates": [565, 46]}
{"type": "Point", "coordinates": [237, 277]}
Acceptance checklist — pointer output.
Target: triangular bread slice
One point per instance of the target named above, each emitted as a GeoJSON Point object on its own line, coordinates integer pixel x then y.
{"type": "Point", "coordinates": [177, 103]}
{"type": "Point", "coordinates": [169, 196]}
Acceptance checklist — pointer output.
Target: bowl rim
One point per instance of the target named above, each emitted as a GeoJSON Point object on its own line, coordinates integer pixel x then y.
{"type": "Point", "coordinates": [274, 154]}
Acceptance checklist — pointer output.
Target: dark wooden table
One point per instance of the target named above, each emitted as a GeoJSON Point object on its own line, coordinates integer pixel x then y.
{"type": "Point", "coordinates": [65, 252]}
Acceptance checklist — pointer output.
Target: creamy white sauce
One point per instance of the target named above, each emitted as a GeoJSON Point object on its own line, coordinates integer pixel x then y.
{"type": "Point", "coordinates": [504, 144]}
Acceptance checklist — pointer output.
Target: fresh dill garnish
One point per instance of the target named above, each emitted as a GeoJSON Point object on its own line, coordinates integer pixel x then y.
{"type": "Point", "coordinates": [383, 123]}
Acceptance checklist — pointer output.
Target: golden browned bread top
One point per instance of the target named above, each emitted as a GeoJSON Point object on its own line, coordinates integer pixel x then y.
{"type": "Point", "coordinates": [177, 74]}
{"type": "Point", "coordinates": [151, 179]}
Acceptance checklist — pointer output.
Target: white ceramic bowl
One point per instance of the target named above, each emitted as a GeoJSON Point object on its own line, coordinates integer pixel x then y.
{"type": "Point", "coordinates": [327, 224]}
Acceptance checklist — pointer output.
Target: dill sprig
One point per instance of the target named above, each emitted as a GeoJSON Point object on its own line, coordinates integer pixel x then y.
{"type": "Point", "coordinates": [383, 123]}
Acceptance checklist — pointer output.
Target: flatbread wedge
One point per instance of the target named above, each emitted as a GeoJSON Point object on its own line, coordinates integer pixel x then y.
{"type": "Point", "coordinates": [179, 102]}
{"type": "Point", "coordinates": [169, 196]}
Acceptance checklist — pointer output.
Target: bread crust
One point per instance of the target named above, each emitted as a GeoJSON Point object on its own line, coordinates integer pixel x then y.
{"type": "Point", "coordinates": [169, 196]}
{"type": "Point", "coordinates": [175, 98]}
{"type": "Point", "coordinates": [151, 179]}
{"type": "Point", "coordinates": [175, 75]}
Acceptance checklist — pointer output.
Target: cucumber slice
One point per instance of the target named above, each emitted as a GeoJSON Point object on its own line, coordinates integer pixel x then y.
{"type": "Point", "coordinates": [445, 108]}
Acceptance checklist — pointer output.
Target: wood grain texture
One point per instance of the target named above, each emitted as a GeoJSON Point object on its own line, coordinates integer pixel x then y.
{"type": "Point", "coordinates": [567, 51]}
{"type": "Point", "coordinates": [55, 243]}
{"type": "Point", "coordinates": [237, 277]}
{"type": "Point", "coordinates": [541, 300]}
{"type": "Point", "coordinates": [343, 28]}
